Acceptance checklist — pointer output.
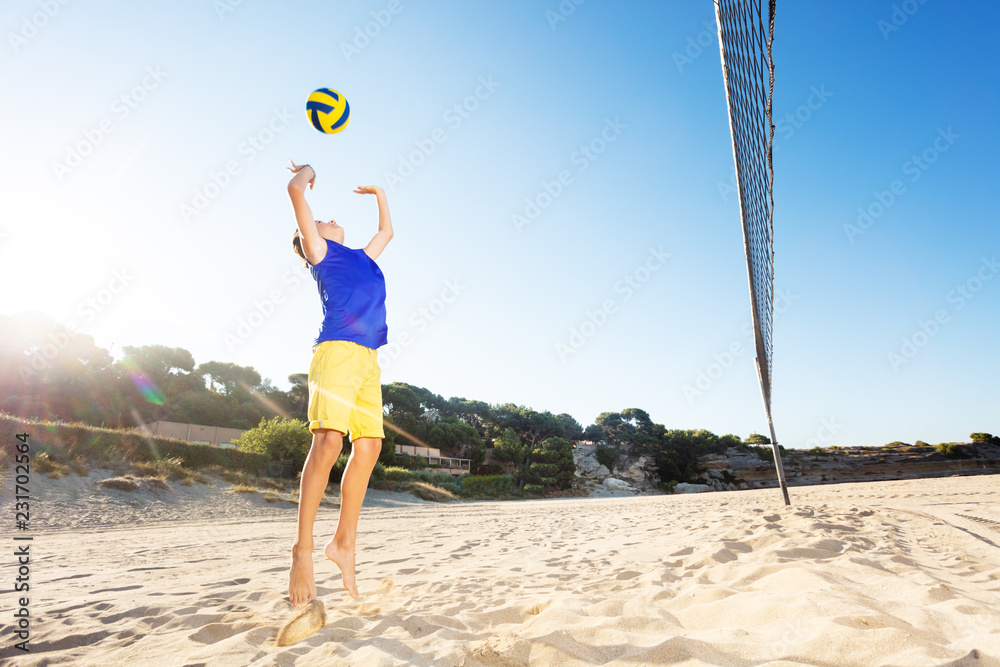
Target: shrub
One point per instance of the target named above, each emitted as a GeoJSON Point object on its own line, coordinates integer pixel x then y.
{"type": "Point", "coordinates": [607, 457]}
{"type": "Point", "coordinates": [452, 487]}
{"type": "Point", "coordinates": [534, 489]}
{"type": "Point", "coordinates": [493, 486]}
{"type": "Point", "coordinates": [411, 462]}
{"type": "Point", "coordinates": [337, 471]}
{"type": "Point", "coordinates": [435, 478]}
{"type": "Point", "coordinates": [494, 469]}
{"type": "Point", "coordinates": [426, 491]}
{"type": "Point", "coordinates": [952, 450]}
{"type": "Point", "coordinates": [278, 438]}
{"type": "Point", "coordinates": [45, 464]}
{"type": "Point", "coordinates": [398, 474]}
{"type": "Point", "coordinates": [897, 443]}
{"type": "Point", "coordinates": [920, 443]}
{"type": "Point", "coordinates": [985, 439]}
{"type": "Point", "coordinates": [79, 466]}
{"type": "Point", "coordinates": [767, 453]}
{"type": "Point", "coordinates": [77, 444]}
{"type": "Point", "coordinates": [167, 468]}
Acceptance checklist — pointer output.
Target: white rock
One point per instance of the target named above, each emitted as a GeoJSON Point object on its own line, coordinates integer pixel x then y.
{"type": "Point", "coordinates": [684, 487]}
{"type": "Point", "coordinates": [587, 466]}
{"type": "Point", "coordinates": [617, 484]}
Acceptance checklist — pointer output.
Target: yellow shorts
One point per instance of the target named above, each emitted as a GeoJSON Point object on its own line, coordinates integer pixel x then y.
{"type": "Point", "coordinates": [345, 389]}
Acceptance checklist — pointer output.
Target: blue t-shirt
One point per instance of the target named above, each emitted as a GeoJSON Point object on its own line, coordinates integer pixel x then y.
{"type": "Point", "coordinates": [352, 289]}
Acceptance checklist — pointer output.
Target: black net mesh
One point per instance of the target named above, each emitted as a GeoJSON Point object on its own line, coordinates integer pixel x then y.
{"type": "Point", "coordinates": [746, 31]}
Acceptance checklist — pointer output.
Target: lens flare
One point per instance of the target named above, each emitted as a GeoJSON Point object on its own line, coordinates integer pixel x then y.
{"type": "Point", "coordinates": [146, 387]}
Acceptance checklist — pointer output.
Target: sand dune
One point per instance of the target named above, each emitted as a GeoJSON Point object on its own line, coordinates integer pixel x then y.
{"type": "Point", "coordinates": [882, 573]}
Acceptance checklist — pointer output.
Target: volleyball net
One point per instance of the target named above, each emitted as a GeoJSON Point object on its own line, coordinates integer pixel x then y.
{"type": "Point", "coordinates": [746, 33]}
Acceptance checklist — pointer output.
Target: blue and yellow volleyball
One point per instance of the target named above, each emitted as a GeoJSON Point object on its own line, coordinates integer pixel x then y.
{"type": "Point", "coordinates": [328, 110]}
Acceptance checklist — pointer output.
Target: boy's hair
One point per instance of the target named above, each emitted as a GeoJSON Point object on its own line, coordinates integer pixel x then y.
{"type": "Point", "coordinates": [297, 247]}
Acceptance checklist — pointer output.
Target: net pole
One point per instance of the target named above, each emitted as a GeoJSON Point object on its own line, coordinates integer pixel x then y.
{"type": "Point", "coordinates": [778, 466]}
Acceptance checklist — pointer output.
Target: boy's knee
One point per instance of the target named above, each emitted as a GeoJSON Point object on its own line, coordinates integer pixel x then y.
{"type": "Point", "coordinates": [368, 447]}
{"type": "Point", "coordinates": [327, 442]}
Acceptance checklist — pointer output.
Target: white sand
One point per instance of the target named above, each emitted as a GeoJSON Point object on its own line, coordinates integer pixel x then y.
{"type": "Point", "coordinates": [882, 573]}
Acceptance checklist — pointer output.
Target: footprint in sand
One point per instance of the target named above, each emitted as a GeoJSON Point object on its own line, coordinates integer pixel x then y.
{"type": "Point", "coordinates": [373, 603]}
{"type": "Point", "coordinates": [234, 582]}
{"type": "Point", "coordinates": [115, 590]}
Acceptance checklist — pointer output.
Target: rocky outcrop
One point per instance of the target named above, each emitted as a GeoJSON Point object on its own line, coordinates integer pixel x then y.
{"type": "Point", "coordinates": [740, 470]}
{"type": "Point", "coordinates": [587, 467]}
{"type": "Point", "coordinates": [633, 474]}
{"type": "Point", "coordinates": [638, 472]}
{"type": "Point", "coordinates": [733, 460]}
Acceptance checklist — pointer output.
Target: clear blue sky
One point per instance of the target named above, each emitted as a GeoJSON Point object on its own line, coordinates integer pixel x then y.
{"type": "Point", "coordinates": [477, 307]}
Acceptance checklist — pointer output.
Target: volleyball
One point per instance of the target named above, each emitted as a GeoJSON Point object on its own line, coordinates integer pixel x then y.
{"type": "Point", "coordinates": [328, 110]}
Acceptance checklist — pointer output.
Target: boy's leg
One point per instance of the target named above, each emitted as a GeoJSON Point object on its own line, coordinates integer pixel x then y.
{"type": "Point", "coordinates": [323, 453]}
{"type": "Point", "coordinates": [340, 549]}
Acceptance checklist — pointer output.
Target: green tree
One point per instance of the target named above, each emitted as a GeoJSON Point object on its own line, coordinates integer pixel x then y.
{"type": "Point", "coordinates": [453, 437]}
{"type": "Point", "coordinates": [630, 430]}
{"type": "Point", "coordinates": [477, 457]}
{"type": "Point", "coordinates": [229, 378]}
{"type": "Point", "coordinates": [475, 413]}
{"type": "Point", "coordinates": [572, 430]}
{"type": "Point", "coordinates": [388, 454]}
{"type": "Point", "coordinates": [730, 441]}
{"type": "Point", "coordinates": [52, 372]}
{"type": "Point", "coordinates": [510, 449]}
{"type": "Point", "coordinates": [159, 362]}
{"type": "Point", "coordinates": [529, 424]}
{"type": "Point", "coordinates": [551, 464]}
{"type": "Point", "coordinates": [757, 439]}
{"type": "Point", "coordinates": [607, 456]}
{"type": "Point", "coordinates": [298, 395]}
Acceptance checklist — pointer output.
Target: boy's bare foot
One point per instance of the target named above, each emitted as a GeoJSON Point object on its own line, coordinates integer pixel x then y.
{"type": "Point", "coordinates": [301, 583]}
{"type": "Point", "coordinates": [344, 558]}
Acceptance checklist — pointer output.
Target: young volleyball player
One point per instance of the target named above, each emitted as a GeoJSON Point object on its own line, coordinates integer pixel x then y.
{"type": "Point", "coordinates": [345, 390]}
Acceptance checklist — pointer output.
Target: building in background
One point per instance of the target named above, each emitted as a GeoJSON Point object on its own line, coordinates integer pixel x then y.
{"type": "Point", "coordinates": [432, 456]}
{"type": "Point", "coordinates": [194, 433]}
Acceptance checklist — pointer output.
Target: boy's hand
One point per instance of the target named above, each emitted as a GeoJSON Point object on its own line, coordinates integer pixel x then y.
{"type": "Point", "coordinates": [298, 168]}
{"type": "Point", "coordinates": [369, 190]}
